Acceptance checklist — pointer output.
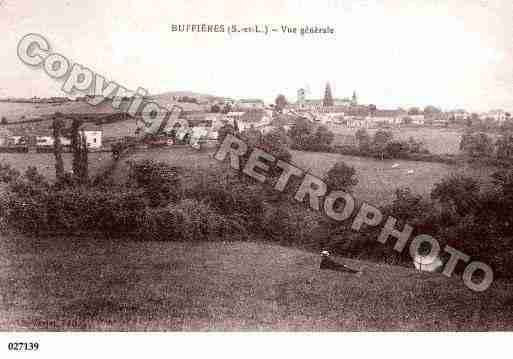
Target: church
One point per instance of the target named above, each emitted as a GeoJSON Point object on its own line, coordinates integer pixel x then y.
{"type": "Point", "coordinates": [327, 104]}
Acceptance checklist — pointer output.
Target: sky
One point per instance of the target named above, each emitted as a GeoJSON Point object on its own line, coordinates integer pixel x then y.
{"type": "Point", "coordinates": [447, 53]}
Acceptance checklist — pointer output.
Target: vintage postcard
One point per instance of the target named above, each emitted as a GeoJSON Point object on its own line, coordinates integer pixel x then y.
{"type": "Point", "coordinates": [255, 166]}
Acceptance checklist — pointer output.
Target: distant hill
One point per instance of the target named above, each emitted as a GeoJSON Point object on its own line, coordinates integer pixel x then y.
{"type": "Point", "coordinates": [18, 111]}
{"type": "Point", "coordinates": [171, 94]}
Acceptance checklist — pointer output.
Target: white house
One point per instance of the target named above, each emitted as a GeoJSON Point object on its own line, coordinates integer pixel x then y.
{"type": "Point", "coordinates": [254, 118]}
{"type": "Point", "coordinates": [47, 140]}
{"type": "Point", "coordinates": [93, 138]}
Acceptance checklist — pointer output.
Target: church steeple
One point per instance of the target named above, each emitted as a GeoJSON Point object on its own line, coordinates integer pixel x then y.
{"type": "Point", "coordinates": [328, 97]}
{"type": "Point", "coordinates": [354, 100]}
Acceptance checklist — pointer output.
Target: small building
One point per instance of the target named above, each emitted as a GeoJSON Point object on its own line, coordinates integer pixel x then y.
{"type": "Point", "coordinates": [494, 115]}
{"type": "Point", "coordinates": [250, 104]}
{"type": "Point", "coordinates": [253, 118]}
{"type": "Point", "coordinates": [387, 117]}
{"type": "Point", "coordinates": [417, 119]}
{"type": "Point", "coordinates": [93, 135]}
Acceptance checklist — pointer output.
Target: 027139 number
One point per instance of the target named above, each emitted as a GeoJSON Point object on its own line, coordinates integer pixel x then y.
{"type": "Point", "coordinates": [23, 346]}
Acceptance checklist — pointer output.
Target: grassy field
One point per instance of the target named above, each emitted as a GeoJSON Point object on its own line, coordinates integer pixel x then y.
{"type": "Point", "coordinates": [45, 162]}
{"type": "Point", "coordinates": [88, 283]}
{"type": "Point", "coordinates": [115, 284]}
{"type": "Point", "coordinates": [436, 140]}
{"type": "Point", "coordinates": [377, 179]}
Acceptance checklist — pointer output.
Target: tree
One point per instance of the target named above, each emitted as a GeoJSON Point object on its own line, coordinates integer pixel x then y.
{"type": "Point", "coordinates": [408, 206]}
{"type": "Point", "coordinates": [4, 121]}
{"type": "Point", "coordinates": [476, 144]}
{"type": "Point", "coordinates": [275, 143]}
{"type": "Point", "coordinates": [300, 133]}
{"type": "Point", "coordinates": [458, 193]}
{"type": "Point", "coordinates": [380, 142]}
{"type": "Point", "coordinates": [431, 110]}
{"type": "Point", "coordinates": [57, 125]}
{"type": "Point", "coordinates": [395, 148]}
{"type": "Point", "coordinates": [224, 131]}
{"type": "Point", "coordinates": [323, 137]}
{"type": "Point", "coordinates": [363, 139]}
{"type": "Point", "coordinates": [413, 111]}
{"type": "Point", "coordinates": [215, 108]}
{"type": "Point", "coordinates": [281, 103]}
{"type": "Point", "coordinates": [227, 108]}
{"type": "Point", "coordinates": [505, 146]}
{"type": "Point", "coordinates": [415, 146]}
{"type": "Point", "coordinates": [341, 177]}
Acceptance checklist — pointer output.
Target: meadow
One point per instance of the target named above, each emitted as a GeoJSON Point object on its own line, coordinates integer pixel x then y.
{"type": "Point", "coordinates": [437, 140]}
{"type": "Point", "coordinates": [87, 283]}
{"type": "Point", "coordinates": [377, 179]}
{"type": "Point", "coordinates": [45, 162]}
{"type": "Point", "coordinates": [101, 283]}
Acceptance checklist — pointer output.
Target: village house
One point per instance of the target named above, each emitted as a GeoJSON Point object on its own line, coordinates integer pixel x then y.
{"type": "Point", "coordinates": [250, 104]}
{"type": "Point", "coordinates": [93, 135]}
{"type": "Point", "coordinates": [459, 115]}
{"type": "Point", "coordinates": [417, 119]}
{"type": "Point", "coordinates": [355, 122]}
{"type": "Point", "coordinates": [285, 121]}
{"type": "Point", "coordinates": [201, 127]}
{"type": "Point", "coordinates": [498, 116]}
{"type": "Point", "coordinates": [387, 117]}
{"type": "Point", "coordinates": [40, 134]}
{"type": "Point", "coordinates": [254, 118]}
{"type": "Point", "coordinates": [233, 116]}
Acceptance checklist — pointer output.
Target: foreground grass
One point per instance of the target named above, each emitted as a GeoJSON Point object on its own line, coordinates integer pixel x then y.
{"type": "Point", "coordinates": [87, 283]}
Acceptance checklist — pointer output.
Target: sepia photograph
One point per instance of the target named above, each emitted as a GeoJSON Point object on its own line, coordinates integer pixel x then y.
{"type": "Point", "coordinates": [290, 166]}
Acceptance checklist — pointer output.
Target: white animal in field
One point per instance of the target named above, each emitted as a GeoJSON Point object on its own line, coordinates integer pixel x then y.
{"type": "Point", "coordinates": [395, 165]}
{"type": "Point", "coordinates": [410, 172]}
{"type": "Point", "coordinates": [427, 264]}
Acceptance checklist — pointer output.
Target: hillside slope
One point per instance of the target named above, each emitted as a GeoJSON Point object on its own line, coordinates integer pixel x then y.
{"type": "Point", "coordinates": [87, 283]}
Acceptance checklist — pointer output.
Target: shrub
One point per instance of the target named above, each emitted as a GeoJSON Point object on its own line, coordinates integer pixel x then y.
{"type": "Point", "coordinates": [363, 139]}
{"type": "Point", "coordinates": [291, 224]}
{"type": "Point", "coordinates": [27, 214]}
{"type": "Point", "coordinates": [159, 180]}
{"type": "Point", "coordinates": [188, 220]}
{"type": "Point", "coordinates": [476, 144]}
{"type": "Point", "coordinates": [341, 177]}
{"type": "Point", "coordinates": [300, 134]}
{"type": "Point", "coordinates": [224, 131]}
{"type": "Point", "coordinates": [305, 137]}
{"type": "Point", "coordinates": [458, 193]}
{"type": "Point", "coordinates": [7, 173]}
{"type": "Point", "coordinates": [233, 199]}
{"type": "Point", "coordinates": [84, 209]}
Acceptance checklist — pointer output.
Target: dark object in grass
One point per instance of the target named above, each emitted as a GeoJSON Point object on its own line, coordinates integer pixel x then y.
{"type": "Point", "coordinates": [328, 263]}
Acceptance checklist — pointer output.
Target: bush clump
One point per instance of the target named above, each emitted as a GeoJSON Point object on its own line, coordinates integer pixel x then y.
{"type": "Point", "coordinates": [160, 181]}
{"type": "Point", "coordinates": [189, 220]}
